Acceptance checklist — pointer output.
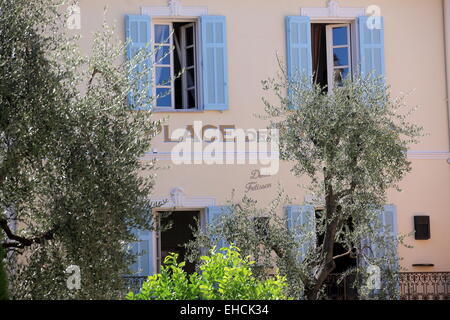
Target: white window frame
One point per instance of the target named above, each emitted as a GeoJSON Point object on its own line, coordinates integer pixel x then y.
{"type": "Point", "coordinates": [354, 37]}
{"type": "Point", "coordinates": [171, 63]}
{"type": "Point", "coordinates": [197, 52]}
{"type": "Point", "coordinates": [330, 58]}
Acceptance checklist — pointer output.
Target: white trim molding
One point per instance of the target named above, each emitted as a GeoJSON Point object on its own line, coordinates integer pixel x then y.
{"type": "Point", "coordinates": [166, 156]}
{"type": "Point", "coordinates": [174, 9]}
{"type": "Point", "coordinates": [333, 11]}
{"type": "Point", "coordinates": [177, 198]}
{"type": "Point", "coordinates": [429, 155]}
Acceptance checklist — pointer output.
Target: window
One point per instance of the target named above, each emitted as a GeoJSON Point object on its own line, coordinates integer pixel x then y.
{"type": "Point", "coordinates": [331, 53]}
{"type": "Point", "coordinates": [203, 86]}
{"type": "Point", "coordinates": [176, 52]}
{"type": "Point", "coordinates": [176, 228]}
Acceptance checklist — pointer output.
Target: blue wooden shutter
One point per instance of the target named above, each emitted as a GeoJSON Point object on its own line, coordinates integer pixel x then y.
{"type": "Point", "coordinates": [214, 218]}
{"type": "Point", "coordinates": [386, 230]}
{"type": "Point", "coordinates": [137, 29]}
{"type": "Point", "coordinates": [388, 221]}
{"type": "Point", "coordinates": [371, 47]}
{"type": "Point", "coordinates": [302, 221]}
{"type": "Point", "coordinates": [299, 55]}
{"type": "Point", "coordinates": [298, 39]}
{"type": "Point", "coordinates": [143, 249]}
{"type": "Point", "coordinates": [214, 62]}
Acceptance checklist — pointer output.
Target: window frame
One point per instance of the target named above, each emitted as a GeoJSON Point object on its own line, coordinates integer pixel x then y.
{"type": "Point", "coordinates": [198, 73]}
{"type": "Point", "coordinates": [330, 57]}
{"type": "Point", "coordinates": [155, 86]}
{"type": "Point", "coordinates": [354, 37]}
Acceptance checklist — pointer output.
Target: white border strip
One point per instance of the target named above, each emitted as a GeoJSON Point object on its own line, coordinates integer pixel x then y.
{"type": "Point", "coordinates": [420, 155]}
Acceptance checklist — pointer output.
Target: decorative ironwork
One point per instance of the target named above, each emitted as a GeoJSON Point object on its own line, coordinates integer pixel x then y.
{"type": "Point", "coordinates": [340, 289]}
{"type": "Point", "coordinates": [425, 285]}
{"type": "Point", "coordinates": [413, 286]}
{"type": "Point", "coordinates": [134, 283]}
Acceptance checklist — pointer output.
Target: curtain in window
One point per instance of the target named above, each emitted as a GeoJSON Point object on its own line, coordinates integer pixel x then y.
{"type": "Point", "coordinates": [316, 36]}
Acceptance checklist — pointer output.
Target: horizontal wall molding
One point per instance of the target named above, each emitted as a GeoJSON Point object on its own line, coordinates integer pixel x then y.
{"type": "Point", "coordinates": [421, 155]}
{"type": "Point", "coordinates": [429, 155]}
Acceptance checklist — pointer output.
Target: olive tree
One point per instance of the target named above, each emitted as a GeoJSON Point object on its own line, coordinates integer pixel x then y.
{"type": "Point", "coordinates": [72, 185]}
{"type": "Point", "coordinates": [348, 147]}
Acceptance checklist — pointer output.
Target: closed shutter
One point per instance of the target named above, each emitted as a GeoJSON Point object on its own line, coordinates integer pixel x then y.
{"type": "Point", "coordinates": [387, 231]}
{"type": "Point", "coordinates": [383, 255]}
{"type": "Point", "coordinates": [137, 30]}
{"type": "Point", "coordinates": [143, 249]}
{"type": "Point", "coordinates": [214, 62]}
{"type": "Point", "coordinates": [215, 214]}
{"type": "Point", "coordinates": [301, 220]}
{"type": "Point", "coordinates": [371, 46]}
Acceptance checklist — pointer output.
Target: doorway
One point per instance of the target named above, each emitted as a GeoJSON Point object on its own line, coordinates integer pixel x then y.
{"type": "Point", "coordinates": [178, 229]}
{"type": "Point", "coordinates": [342, 289]}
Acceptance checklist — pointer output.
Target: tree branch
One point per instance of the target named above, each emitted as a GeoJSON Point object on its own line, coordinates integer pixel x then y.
{"type": "Point", "coordinates": [92, 77]}
{"type": "Point", "coordinates": [343, 255]}
{"type": "Point", "coordinates": [22, 242]}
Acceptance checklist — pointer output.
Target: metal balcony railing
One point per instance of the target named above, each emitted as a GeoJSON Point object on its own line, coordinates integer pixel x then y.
{"type": "Point", "coordinates": [413, 286]}
{"type": "Point", "coordinates": [134, 283]}
{"type": "Point", "coordinates": [425, 285]}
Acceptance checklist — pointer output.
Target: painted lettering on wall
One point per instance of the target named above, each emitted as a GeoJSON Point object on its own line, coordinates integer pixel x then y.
{"type": "Point", "coordinates": [255, 185]}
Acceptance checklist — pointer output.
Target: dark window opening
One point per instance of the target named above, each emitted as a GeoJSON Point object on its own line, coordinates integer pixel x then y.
{"type": "Point", "coordinates": [185, 87]}
{"type": "Point", "coordinates": [319, 54]}
{"type": "Point", "coordinates": [173, 239]}
{"type": "Point", "coordinates": [342, 263]}
{"type": "Point", "coordinates": [337, 288]}
{"type": "Point", "coordinates": [331, 54]}
{"type": "Point", "coordinates": [262, 226]}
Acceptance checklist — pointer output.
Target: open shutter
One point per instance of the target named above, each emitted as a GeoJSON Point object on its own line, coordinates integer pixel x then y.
{"type": "Point", "coordinates": [214, 218]}
{"type": "Point", "coordinates": [371, 47]}
{"type": "Point", "coordinates": [137, 29]}
{"type": "Point", "coordinates": [214, 62]}
{"type": "Point", "coordinates": [298, 39]}
{"type": "Point", "coordinates": [143, 249]}
{"type": "Point", "coordinates": [302, 221]}
{"type": "Point", "coordinates": [299, 56]}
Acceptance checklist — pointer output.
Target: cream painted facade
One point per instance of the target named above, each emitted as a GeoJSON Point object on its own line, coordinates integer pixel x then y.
{"type": "Point", "coordinates": [255, 30]}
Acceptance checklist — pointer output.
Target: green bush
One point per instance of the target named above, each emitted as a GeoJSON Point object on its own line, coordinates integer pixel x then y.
{"type": "Point", "coordinates": [3, 279]}
{"type": "Point", "coordinates": [223, 276]}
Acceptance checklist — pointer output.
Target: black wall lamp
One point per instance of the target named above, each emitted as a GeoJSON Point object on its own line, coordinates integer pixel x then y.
{"type": "Point", "coordinates": [422, 227]}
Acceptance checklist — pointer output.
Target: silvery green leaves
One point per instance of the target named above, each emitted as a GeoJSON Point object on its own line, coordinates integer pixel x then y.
{"type": "Point", "coordinates": [70, 156]}
{"type": "Point", "coordinates": [351, 143]}
{"type": "Point", "coordinates": [263, 234]}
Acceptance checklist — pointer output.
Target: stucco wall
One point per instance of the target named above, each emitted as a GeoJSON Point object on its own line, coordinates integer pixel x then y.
{"type": "Point", "coordinates": [414, 53]}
